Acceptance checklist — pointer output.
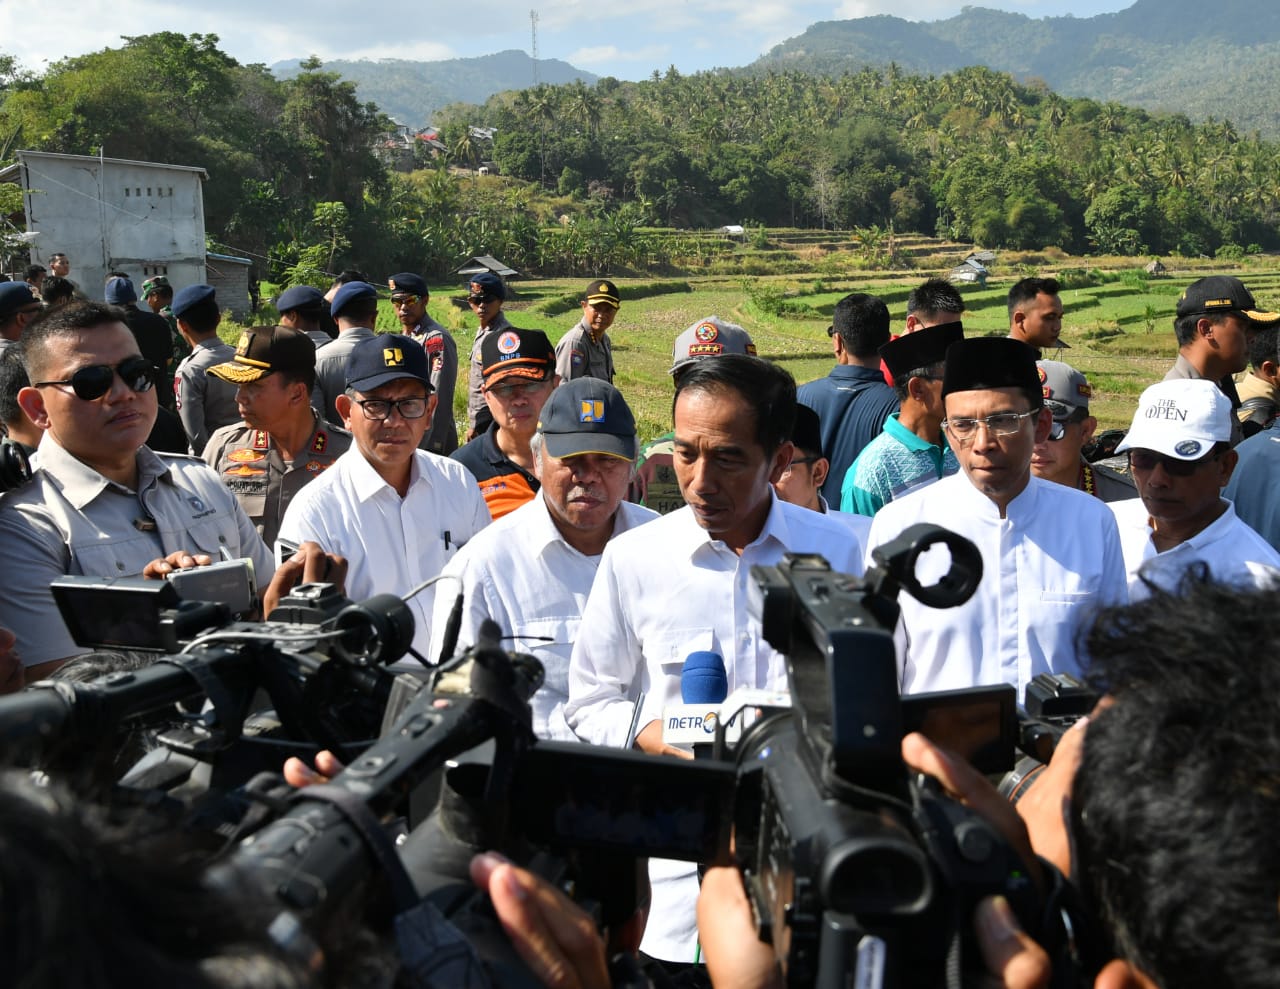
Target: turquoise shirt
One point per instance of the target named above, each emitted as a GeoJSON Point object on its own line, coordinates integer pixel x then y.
{"type": "Point", "coordinates": [893, 464]}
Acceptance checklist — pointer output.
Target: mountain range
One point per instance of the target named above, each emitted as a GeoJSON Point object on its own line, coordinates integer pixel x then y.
{"type": "Point", "coordinates": [1176, 56]}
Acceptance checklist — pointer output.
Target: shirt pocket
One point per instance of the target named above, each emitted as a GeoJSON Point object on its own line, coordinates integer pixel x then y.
{"type": "Point", "coordinates": [1066, 598]}
{"type": "Point", "coordinates": [666, 652]}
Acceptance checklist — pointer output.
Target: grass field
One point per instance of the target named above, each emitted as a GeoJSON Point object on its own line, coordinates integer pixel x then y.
{"type": "Point", "coordinates": [1117, 323]}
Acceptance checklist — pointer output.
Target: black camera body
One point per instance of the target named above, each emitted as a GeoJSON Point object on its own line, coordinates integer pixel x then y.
{"type": "Point", "coordinates": [858, 873]}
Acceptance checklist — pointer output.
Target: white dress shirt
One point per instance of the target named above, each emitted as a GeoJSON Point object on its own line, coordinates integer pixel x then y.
{"type": "Point", "coordinates": [1047, 567]}
{"type": "Point", "coordinates": [521, 573]}
{"type": "Point", "coordinates": [662, 592]}
{"type": "Point", "coordinates": [392, 544]}
{"type": "Point", "coordinates": [1235, 553]}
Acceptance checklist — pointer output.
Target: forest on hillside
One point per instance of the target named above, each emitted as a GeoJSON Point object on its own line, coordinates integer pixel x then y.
{"type": "Point", "coordinates": [970, 155]}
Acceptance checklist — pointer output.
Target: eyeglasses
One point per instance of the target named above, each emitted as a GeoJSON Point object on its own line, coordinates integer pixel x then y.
{"type": "Point", "coordinates": [1000, 424]}
{"type": "Point", "coordinates": [91, 383]}
{"type": "Point", "coordinates": [405, 300]}
{"type": "Point", "coordinates": [378, 409]}
{"type": "Point", "coordinates": [516, 390]}
{"type": "Point", "coordinates": [796, 461]}
{"type": "Point", "coordinates": [1146, 460]}
{"type": "Point", "coordinates": [480, 300]}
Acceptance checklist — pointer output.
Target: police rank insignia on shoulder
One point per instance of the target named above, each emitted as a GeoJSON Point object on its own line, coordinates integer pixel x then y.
{"type": "Point", "coordinates": [246, 456]}
{"type": "Point", "coordinates": [321, 442]}
{"type": "Point", "coordinates": [261, 439]}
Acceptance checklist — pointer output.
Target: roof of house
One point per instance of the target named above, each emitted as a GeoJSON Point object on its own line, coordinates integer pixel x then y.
{"type": "Point", "coordinates": [12, 172]}
{"type": "Point", "coordinates": [483, 262]}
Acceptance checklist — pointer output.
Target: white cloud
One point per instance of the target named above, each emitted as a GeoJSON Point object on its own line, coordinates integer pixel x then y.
{"type": "Point", "coordinates": [602, 56]}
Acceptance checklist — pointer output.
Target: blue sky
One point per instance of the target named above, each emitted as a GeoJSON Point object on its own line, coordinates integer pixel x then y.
{"type": "Point", "coordinates": [628, 40]}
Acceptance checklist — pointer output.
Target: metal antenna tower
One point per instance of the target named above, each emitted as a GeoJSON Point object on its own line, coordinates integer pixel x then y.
{"type": "Point", "coordinates": [533, 24]}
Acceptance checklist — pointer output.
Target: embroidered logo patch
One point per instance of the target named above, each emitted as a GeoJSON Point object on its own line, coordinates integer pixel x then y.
{"type": "Point", "coordinates": [1187, 448]}
{"type": "Point", "coordinates": [392, 357]}
{"type": "Point", "coordinates": [591, 411]}
{"type": "Point", "coordinates": [243, 470]}
{"type": "Point", "coordinates": [508, 343]}
{"type": "Point", "coordinates": [705, 349]}
{"type": "Point", "coordinates": [245, 456]}
{"type": "Point", "coordinates": [706, 332]}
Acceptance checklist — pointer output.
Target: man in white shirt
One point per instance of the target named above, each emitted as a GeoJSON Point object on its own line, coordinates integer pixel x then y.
{"type": "Point", "coordinates": [1180, 453]}
{"type": "Point", "coordinates": [680, 584]}
{"type": "Point", "coordinates": [1051, 554]}
{"type": "Point", "coordinates": [397, 513]}
{"type": "Point", "coordinates": [531, 571]}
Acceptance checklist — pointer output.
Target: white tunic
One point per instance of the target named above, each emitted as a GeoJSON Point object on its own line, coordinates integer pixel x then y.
{"type": "Point", "coordinates": [1047, 568]}
{"type": "Point", "coordinates": [662, 592]}
{"type": "Point", "coordinates": [392, 544]}
{"type": "Point", "coordinates": [1234, 552]}
{"type": "Point", "coordinates": [521, 573]}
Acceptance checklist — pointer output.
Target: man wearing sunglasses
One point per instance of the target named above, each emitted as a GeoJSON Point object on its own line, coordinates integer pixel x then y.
{"type": "Point", "coordinates": [1051, 555]}
{"type": "Point", "coordinates": [486, 293]}
{"type": "Point", "coordinates": [1059, 458]}
{"type": "Point", "coordinates": [101, 503]}
{"type": "Point", "coordinates": [396, 512]}
{"type": "Point", "coordinates": [519, 376]}
{"type": "Point", "coordinates": [409, 298]}
{"type": "Point", "coordinates": [1180, 452]}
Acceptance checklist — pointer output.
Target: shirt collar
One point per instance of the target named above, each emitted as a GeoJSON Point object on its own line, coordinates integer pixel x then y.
{"type": "Point", "coordinates": [367, 482]}
{"type": "Point", "coordinates": [775, 527]}
{"type": "Point", "coordinates": [910, 440]}
{"type": "Point", "coordinates": [856, 372]}
{"type": "Point", "coordinates": [81, 484]}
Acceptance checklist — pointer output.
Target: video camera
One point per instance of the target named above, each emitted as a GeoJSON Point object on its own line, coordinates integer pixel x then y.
{"type": "Point", "coordinates": [850, 863]}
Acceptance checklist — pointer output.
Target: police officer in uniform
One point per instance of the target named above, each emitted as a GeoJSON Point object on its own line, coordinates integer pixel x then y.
{"type": "Point", "coordinates": [409, 297]}
{"type": "Point", "coordinates": [282, 443]}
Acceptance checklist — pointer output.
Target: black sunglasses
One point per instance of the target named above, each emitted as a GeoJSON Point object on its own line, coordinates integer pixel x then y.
{"type": "Point", "coordinates": [91, 383]}
{"type": "Point", "coordinates": [480, 300]}
{"type": "Point", "coordinates": [1146, 460]}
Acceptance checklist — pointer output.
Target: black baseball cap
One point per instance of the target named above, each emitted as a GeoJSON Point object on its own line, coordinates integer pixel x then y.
{"type": "Point", "coordinates": [406, 282]}
{"type": "Point", "coordinates": [1222, 294]}
{"type": "Point", "coordinates": [588, 415]}
{"type": "Point", "coordinates": [603, 291]}
{"type": "Point", "coordinates": [387, 357]}
{"type": "Point", "coordinates": [516, 353]}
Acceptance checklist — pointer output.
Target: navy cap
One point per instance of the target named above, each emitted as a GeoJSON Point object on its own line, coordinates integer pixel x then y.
{"type": "Point", "coordinates": [408, 282]}
{"type": "Point", "coordinates": [588, 415]}
{"type": "Point", "coordinates": [488, 283]}
{"type": "Point", "coordinates": [190, 297]}
{"type": "Point", "coordinates": [1222, 294]}
{"type": "Point", "coordinates": [15, 296]}
{"type": "Point", "coordinates": [348, 293]}
{"type": "Point", "coordinates": [299, 297]}
{"type": "Point", "coordinates": [386, 357]}
{"type": "Point", "coordinates": [119, 291]}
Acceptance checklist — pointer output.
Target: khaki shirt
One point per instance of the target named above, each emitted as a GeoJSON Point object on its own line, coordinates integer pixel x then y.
{"type": "Point", "coordinates": [261, 479]}
{"type": "Point", "coordinates": [69, 519]}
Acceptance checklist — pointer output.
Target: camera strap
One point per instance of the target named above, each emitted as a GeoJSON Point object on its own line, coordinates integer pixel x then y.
{"type": "Point", "coordinates": [230, 723]}
{"type": "Point", "coordinates": [434, 954]}
{"type": "Point", "coordinates": [376, 839]}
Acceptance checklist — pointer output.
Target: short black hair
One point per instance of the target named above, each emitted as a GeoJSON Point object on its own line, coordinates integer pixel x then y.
{"type": "Point", "coordinates": [1028, 288]}
{"type": "Point", "coordinates": [900, 381]}
{"type": "Point", "coordinates": [1184, 327]}
{"type": "Point", "coordinates": [1262, 345]}
{"type": "Point", "coordinates": [34, 271]}
{"type": "Point", "coordinates": [13, 378]}
{"type": "Point", "coordinates": [1175, 804]}
{"type": "Point", "coordinates": [64, 321]}
{"type": "Point", "coordinates": [349, 275]}
{"type": "Point", "coordinates": [863, 323]}
{"type": "Point", "coordinates": [117, 273]}
{"type": "Point", "coordinates": [767, 388]}
{"type": "Point", "coordinates": [934, 296]}
{"type": "Point", "coordinates": [203, 317]}
{"type": "Point", "coordinates": [55, 289]}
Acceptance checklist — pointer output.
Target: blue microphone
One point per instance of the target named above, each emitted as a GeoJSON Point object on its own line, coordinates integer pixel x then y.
{"type": "Point", "coordinates": [703, 679]}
